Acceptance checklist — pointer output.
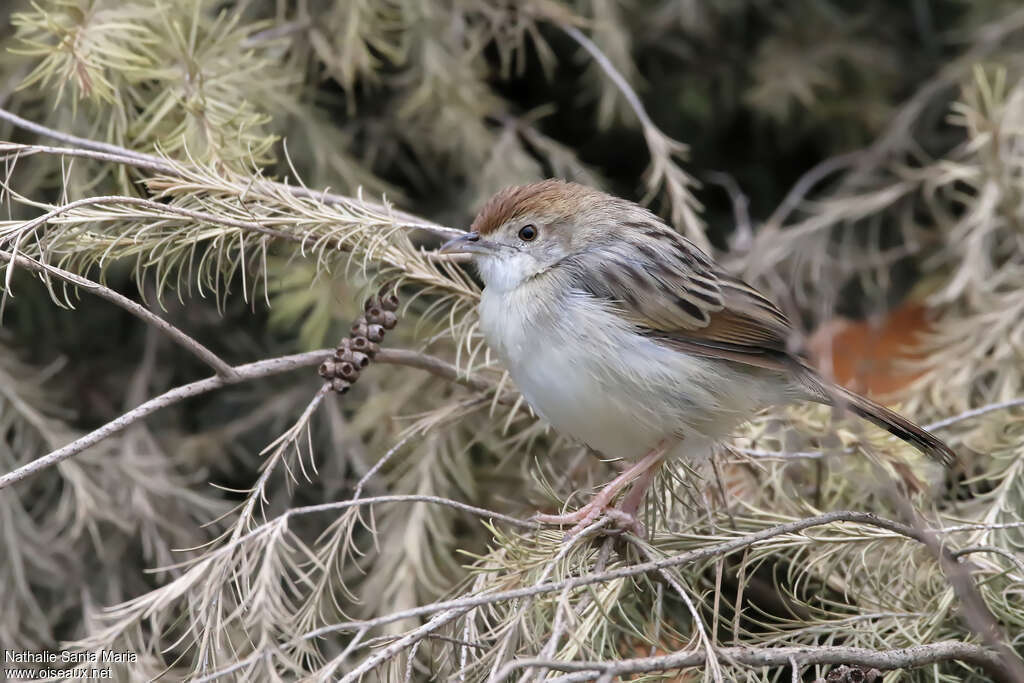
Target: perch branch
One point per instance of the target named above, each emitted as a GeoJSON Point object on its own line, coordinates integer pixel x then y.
{"type": "Point", "coordinates": [622, 572]}
{"type": "Point", "coordinates": [972, 654]}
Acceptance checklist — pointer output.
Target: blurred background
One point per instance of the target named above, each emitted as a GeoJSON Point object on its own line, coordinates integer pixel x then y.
{"type": "Point", "coordinates": [860, 161]}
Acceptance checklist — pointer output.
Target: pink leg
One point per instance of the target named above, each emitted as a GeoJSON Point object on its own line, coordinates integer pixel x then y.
{"type": "Point", "coordinates": [631, 503]}
{"type": "Point", "coordinates": [642, 472]}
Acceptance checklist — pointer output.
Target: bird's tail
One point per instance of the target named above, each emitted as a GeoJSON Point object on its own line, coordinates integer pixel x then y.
{"type": "Point", "coordinates": [889, 420]}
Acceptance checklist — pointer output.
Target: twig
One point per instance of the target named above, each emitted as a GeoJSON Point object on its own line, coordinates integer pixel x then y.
{"type": "Point", "coordinates": [161, 207]}
{"type": "Point", "coordinates": [122, 157]}
{"type": "Point", "coordinates": [975, 611]}
{"type": "Point", "coordinates": [621, 572]}
{"type": "Point", "coordinates": [661, 147]}
{"type": "Point", "coordinates": [242, 373]}
{"type": "Point", "coordinates": [39, 129]}
{"type": "Point", "coordinates": [744, 235]}
{"type": "Point", "coordinates": [904, 658]}
{"type": "Point", "coordinates": [414, 498]}
{"type": "Point", "coordinates": [390, 651]}
{"type": "Point", "coordinates": [805, 184]}
{"type": "Point", "coordinates": [222, 369]}
{"type": "Point", "coordinates": [1002, 552]}
{"type": "Point", "coordinates": [975, 412]}
{"type": "Point", "coordinates": [154, 162]}
{"type": "Point", "coordinates": [709, 649]}
{"type": "Point", "coordinates": [283, 518]}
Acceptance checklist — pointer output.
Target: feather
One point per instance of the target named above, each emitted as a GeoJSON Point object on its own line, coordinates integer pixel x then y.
{"type": "Point", "coordinates": [672, 292]}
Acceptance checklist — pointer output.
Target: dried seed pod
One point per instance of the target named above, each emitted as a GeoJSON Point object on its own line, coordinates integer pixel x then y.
{"type": "Point", "coordinates": [372, 301]}
{"type": "Point", "coordinates": [389, 302]}
{"type": "Point", "coordinates": [327, 369]}
{"type": "Point", "coordinates": [388, 320]}
{"type": "Point", "coordinates": [375, 333]}
{"type": "Point", "coordinates": [348, 371]}
{"type": "Point", "coordinates": [339, 385]}
{"type": "Point", "coordinates": [374, 314]}
{"type": "Point", "coordinates": [359, 328]}
{"type": "Point", "coordinates": [359, 359]}
{"type": "Point", "coordinates": [364, 345]}
{"type": "Point", "coordinates": [838, 674]}
{"type": "Point", "coordinates": [343, 353]}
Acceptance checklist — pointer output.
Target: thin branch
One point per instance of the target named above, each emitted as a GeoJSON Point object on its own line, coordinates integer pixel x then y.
{"type": "Point", "coordinates": [415, 498]}
{"type": "Point", "coordinates": [390, 651]}
{"type": "Point", "coordinates": [806, 183]}
{"type": "Point", "coordinates": [975, 412]}
{"type": "Point", "coordinates": [709, 648]}
{"type": "Point", "coordinates": [18, 150]}
{"type": "Point", "coordinates": [242, 373]}
{"type": "Point", "coordinates": [663, 170]}
{"type": "Point", "coordinates": [904, 658]}
{"type": "Point", "coordinates": [282, 519]}
{"type": "Point", "coordinates": [201, 216]}
{"type": "Point", "coordinates": [614, 74]}
{"type": "Point", "coordinates": [440, 368]}
{"type": "Point", "coordinates": [153, 162]}
{"type": "Point", "coordinates": [222, 369]}
{"type": "Point", "coordinates": [39, 129]}
{"type": "Point", "coordinates": [621, 572]}
{"type": "Point", "coordinates": [975, 611]}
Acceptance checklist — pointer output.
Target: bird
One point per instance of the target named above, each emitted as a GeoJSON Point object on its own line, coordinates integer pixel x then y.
{"type": "Point", "coordinates": [627, 337]}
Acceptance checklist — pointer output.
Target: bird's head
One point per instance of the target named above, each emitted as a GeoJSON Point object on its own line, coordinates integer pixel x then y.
{"type": "Point", "coordinates": [525, 230]}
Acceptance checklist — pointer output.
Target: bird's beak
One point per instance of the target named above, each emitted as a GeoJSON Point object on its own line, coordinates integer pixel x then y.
{"type": "Point", "coordinates": [466, 244]}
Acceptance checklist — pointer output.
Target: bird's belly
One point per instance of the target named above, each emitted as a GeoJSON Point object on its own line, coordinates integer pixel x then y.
{"type": "Point", "coordinates": [595, 379]}
{"type": "Point", "coordinates": [570, 396]}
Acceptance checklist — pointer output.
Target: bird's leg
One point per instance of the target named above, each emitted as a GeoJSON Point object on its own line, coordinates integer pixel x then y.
{"type": "Point", "coordinates": [631, 503]}
{"type": "Point", "coordinates": [642, 472]}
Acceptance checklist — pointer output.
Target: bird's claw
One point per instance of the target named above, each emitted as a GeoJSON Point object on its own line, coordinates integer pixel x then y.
{"type": "Point", "coordinates": [588, 514]}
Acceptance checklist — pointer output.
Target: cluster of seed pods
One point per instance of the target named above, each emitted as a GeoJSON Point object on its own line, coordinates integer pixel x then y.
{"type": "Point", "coordinates": [848, 674]}
{"type": "Point", "coordinates": [355, 351]}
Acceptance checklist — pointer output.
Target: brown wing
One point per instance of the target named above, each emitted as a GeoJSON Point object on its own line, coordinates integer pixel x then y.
{"type": "Point", "coordinates": [671, 290]}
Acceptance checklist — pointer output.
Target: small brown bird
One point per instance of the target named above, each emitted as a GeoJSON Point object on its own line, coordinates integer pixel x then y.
{"type": "Point", "coordinates": [627, 337]}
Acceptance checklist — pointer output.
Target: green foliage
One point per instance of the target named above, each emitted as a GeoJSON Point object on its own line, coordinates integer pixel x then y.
{"type": "Point", "coordinates": [252, 157]}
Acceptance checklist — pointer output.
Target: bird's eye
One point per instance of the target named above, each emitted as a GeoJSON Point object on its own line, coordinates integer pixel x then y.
{"type": "Point", "coordinates": [528, 233]}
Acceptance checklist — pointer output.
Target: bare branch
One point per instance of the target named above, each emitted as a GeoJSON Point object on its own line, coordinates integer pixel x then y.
{"type": "Point", "coordinates": [153, 162]}
{"type": "Point", "coordinates": [663, 169]}
{"type": "Point", "coordinates": [975, 412]}
{"type": "Point", "coordinates": [188, 343]}
{"type": "Point", "coordinates": [634, 570]}
{"type": "Point", "coordinates": [159, 207]}
{"type": "Point", "coordinates": [242, 373]}
{"type": "Point", "coordinates": [904, 658]}
{"type": "Point", "coordinates": [976, 613]}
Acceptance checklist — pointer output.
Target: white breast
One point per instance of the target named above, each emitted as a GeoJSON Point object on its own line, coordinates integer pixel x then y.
{"type": "Point", "coordinates": [594, 378]}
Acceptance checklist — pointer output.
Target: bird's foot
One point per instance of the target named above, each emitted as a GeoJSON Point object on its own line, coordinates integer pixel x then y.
{"type": "Point", "coordinates": [624, 517]}
{"type": "Point", "coordinates": [590, 513]}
